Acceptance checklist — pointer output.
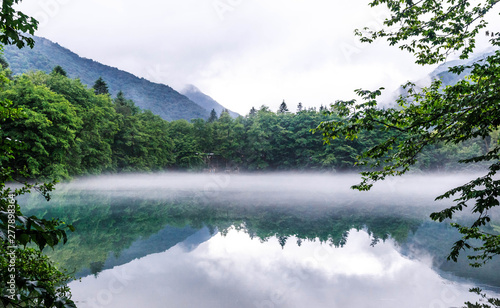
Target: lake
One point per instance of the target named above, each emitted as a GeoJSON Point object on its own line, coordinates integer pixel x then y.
{"type": "Point", "coordinates": [261, 240]}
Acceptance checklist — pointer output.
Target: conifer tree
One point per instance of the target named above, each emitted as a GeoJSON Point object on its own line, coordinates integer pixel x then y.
{"type": "Point", "coordinates": [100, 86]}
{"type": "Point", "coordinates": [59, 71]}
{"type": "Point", "coordinates": [213, 116]}
{"type": "Point", "coordinates": [283, 108]}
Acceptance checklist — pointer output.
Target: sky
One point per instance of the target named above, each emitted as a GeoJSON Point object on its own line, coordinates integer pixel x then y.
{"type": "Point", "coordinates": [242, 53]}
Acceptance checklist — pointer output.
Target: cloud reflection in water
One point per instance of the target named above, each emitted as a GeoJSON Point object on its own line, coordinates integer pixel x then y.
{"type": "Point", "coordinates": [237, 271]}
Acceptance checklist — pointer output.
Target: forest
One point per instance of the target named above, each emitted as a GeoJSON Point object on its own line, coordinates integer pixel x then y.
{"type": "Point", "coordinates": [55, 128]}
{"type": "Point", "coordinates": [71, 130]}
{"type": "Point", "coordinates": [157, 97]}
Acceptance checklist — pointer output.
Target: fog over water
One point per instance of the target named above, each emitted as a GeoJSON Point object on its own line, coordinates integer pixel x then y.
{"type": "Point", "coordinates": [263, 240]}
{"type": "Point", "coordinates": [311, 187]}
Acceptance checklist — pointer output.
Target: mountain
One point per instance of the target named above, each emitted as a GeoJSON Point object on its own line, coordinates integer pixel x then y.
{"type": "Point", "coordinates": [159, 98]}
{"type": "Point", "coordinates": [205, 101]}
{"type": "Point", "coordinates": [442, 72]}
{"type": "Point", "coordinates": [186, 237]}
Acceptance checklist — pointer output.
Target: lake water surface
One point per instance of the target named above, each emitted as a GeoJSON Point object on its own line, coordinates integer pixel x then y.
{"type": "Point", "coordinates": [281, 240]}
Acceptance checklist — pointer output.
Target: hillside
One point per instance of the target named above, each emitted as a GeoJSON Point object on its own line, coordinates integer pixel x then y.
{"type": "Point", "coordinates": [441, 72]}
{"type": "Point", "coordinates": [160, 99]}
{"type": "Point", "coordinates": [205, 101]}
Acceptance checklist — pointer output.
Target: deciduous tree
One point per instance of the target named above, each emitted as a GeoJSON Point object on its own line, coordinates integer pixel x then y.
{"type": "Point", "coordinates": [467, 110]}
{"type": "Point", "coordinates": [16, 27]}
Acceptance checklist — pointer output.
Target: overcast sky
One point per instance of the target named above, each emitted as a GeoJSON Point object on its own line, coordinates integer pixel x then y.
{"type": "Point", "coordinates": [242, 53]}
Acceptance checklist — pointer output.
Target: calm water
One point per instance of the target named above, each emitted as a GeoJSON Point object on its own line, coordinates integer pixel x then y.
{"type": "Point", "coordinates": [286, 240]}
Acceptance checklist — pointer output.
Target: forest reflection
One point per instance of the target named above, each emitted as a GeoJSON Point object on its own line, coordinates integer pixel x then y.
{"type": "Point", "coordinates": [117, 223]}
{"type": "Point", "coordinates": [233, 270]}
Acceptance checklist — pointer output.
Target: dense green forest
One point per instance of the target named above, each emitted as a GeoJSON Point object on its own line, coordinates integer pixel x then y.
{"type": "Point", "coordinates": [55, 127]}
{"type": "Point", "coordinates": [159, 98]}
{"type": "Point", "coordinates": [69, 130]}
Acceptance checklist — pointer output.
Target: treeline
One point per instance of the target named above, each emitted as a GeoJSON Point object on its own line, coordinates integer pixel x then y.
{"type": "Point", "coordinates": [108, 225]}
{"type": "Point", "coordinates": [71, 130]}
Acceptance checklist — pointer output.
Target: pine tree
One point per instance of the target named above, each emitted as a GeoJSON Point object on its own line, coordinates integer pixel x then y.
{"type": "Point", "coordinates": [100, 87]}
{"type": "Point", "coordinates": [125, 106]}
{"type": "Point", "coordinates": [253, 111]}
{"type": "Point", "coordinates": [299, 107]}
{"type": "Point", "coordinates": [213, 116]}
{"type": "Point", "coordinates": [60, 71]}
{"type": "Point", "coordinates": [283, 108]}
{"type": "Point", "coordinates": [225, 110]}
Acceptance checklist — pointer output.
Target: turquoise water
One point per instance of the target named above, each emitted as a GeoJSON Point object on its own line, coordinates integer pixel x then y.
{"type": "Point", "coordinates": [285, 240]}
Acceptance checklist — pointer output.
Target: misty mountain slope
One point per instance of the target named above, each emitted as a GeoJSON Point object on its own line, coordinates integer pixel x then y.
{"type": "Point", "coordinates": [160, 99]}
{"type": "Point", "coordinates": [160, 242]}
{"type": "Point", "coordinates": [441, 72]}
{"type": "Point", "coordinates": [448, 78]}
{"type": "Point", "coordinates": [205, 101]}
